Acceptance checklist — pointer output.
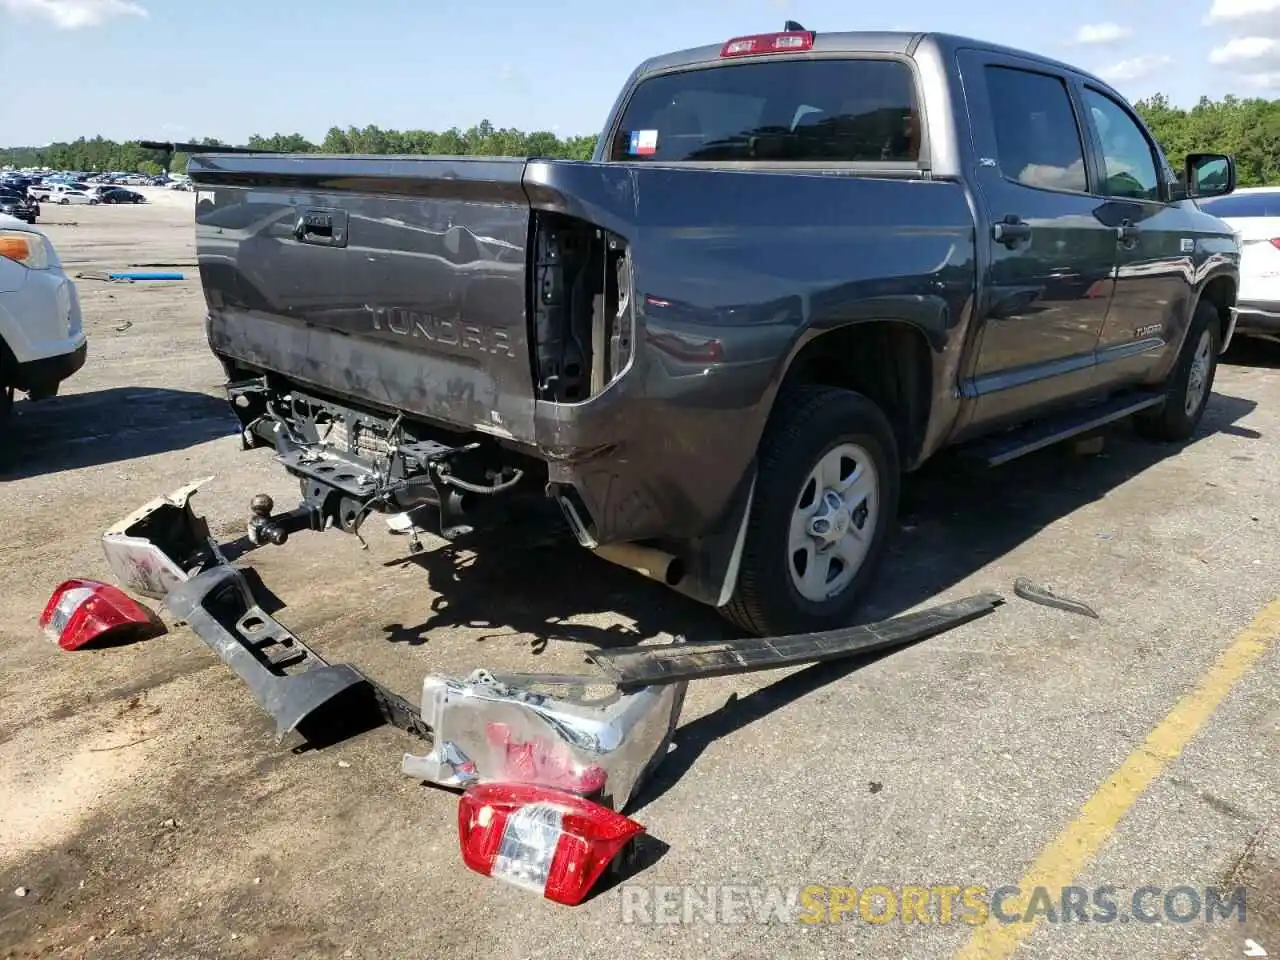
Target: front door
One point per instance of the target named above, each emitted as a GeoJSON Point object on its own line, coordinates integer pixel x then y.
{"type": "Point", "coordinates": [1049, 277]}
{"type": "Point", "coordinates": [1155, 245]}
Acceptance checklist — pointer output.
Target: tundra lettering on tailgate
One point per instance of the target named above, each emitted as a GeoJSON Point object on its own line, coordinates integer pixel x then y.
{"type": "Point", "coordinates": [441, 330]}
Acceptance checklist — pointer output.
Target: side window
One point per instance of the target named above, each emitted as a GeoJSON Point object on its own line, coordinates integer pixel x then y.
{"type": "Point", "coordinates": [1128, 162]}
{"type": "Point", "coordinates": [1037, 138]}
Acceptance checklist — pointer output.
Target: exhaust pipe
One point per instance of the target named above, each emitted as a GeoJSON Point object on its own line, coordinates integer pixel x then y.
{"type": "Point", "coordinates": [646, 561]}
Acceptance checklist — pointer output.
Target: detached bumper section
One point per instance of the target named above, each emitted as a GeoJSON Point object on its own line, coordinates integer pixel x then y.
{"type": "Point", "coordinates": [288, 679]}
{"type": "Point", "coordinates": [487, 730]}
{"type": "Point", "coordinates": [482, 729]}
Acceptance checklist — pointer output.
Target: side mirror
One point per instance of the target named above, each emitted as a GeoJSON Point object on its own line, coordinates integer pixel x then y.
{"type": "Point", "coordinates": [1209, 175]}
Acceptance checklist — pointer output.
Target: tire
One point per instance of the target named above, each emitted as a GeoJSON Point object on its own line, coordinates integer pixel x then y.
{"type": "Point", "coordinates": [808, 426]}
{"type": "Point", "coordinates": [1190, 385]}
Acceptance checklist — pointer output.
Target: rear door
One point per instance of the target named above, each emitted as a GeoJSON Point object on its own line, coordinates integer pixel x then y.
{"type": "Point", "coordinates": [1048, 280]}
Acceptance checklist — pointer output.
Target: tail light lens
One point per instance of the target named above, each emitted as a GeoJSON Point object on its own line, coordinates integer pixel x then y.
{"type": "Point", "coordinates": [82, 611]}
{"type": "Point", "coordinates": [1275, 242]}
{"type": "Point", "coordinates": [545, 762]}
{"type": "Point", "coordinates": [548, 841]}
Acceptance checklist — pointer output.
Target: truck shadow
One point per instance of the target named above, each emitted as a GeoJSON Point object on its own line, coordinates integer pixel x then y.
{"type": "Point", "coordinates": [536, 581]}
{"type": "Point", "coordinates": [1253, 352]}
{"type": "Point", "coordinates": [955, 519]}
{"type": "Point", "coordinates": [107, 426]}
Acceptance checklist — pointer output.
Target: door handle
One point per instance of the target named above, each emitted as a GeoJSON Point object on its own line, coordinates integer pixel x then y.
{"type": "Point", "coordinates": [1010, 230]}
{"type": "Point", "coordinates": [1127, 233]}
{"type": "Point", "coordinates": [324, 228]}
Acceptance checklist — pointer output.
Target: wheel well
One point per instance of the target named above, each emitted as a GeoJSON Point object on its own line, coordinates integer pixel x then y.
{"type": "Point", "coordinates": [887, 361]}
{"type": "Point", "coordinates": [8, 363]}
{"type": "Point", "coordinates": [1221, 292]}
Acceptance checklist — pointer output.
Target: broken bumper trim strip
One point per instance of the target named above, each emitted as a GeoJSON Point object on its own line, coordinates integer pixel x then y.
{"type": "Point", "coordinates": [673, 663]}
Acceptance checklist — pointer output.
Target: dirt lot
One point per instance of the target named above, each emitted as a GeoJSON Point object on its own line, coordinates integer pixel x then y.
{"type": "Point", "coordinates": [147, 811]}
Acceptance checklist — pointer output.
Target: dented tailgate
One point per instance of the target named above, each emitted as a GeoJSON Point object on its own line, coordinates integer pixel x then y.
{"type": "Point", "coordinates": [399, 282]}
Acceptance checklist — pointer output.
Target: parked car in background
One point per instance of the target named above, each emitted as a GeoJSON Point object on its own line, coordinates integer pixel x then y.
{"type": "Point", "coordinates": [121, 195]}
{"type": "Point", "coordinates": [64, 194]}
{"type": "Point", "coordinates": [42, 340]}
{"type": "Point", "coordinates": [65, 197]}
{"type": "Point", "coordinates": [1254, 214]}
{"type": "Point", "coordinates": [19, 205]}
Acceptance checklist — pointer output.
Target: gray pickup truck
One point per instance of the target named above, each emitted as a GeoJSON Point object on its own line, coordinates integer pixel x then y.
{"type": "Point", "coordinates": [797, 266]}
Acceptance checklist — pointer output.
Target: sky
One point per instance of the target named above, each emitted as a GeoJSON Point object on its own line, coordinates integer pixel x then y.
{"type": "Point", "coordinates": [175, 69]}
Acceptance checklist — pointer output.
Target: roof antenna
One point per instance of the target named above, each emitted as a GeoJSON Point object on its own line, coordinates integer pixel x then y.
{"type": "Point", "coordinates": [793, 27]}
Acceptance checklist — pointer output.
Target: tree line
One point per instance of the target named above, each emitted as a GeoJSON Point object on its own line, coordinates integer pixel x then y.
{"type": "Point", "coordinates": [1247, 128]}
{"type": "Point", "coordinates": [484, 139]}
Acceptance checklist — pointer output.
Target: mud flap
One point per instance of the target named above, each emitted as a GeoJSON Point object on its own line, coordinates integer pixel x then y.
{"type": "Point", "coordinates": [673, 663]}
{"type": "Point", "coordinates": [289, 681]}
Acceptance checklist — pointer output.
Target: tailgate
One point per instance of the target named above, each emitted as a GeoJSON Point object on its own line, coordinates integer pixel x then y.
{"type": "Point", "coordinates": [394, 281]}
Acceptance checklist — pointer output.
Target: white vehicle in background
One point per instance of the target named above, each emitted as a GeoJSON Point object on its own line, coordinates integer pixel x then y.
{"type": "Point", "coordinates": [65, 193]}
{"type": "Point", "coordinates": [69, 195]}
{"type": "Point", "coordinates": [1254, 214]}
{"type": "Point", "coordinates": [42, 340]}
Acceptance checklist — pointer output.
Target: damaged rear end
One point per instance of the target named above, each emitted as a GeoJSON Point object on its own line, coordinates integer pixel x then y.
{"type": "Point", "coordinates": [392, 326]}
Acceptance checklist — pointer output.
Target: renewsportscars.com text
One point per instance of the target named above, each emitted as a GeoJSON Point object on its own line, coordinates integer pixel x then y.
{"type": "Point", "coordinates": [974, 905]}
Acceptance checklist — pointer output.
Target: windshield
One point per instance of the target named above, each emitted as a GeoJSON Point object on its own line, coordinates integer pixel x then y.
{"type": "Point", "coordinates": [845, 110]}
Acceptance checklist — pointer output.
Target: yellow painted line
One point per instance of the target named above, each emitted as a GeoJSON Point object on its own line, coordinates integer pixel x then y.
{"type": "Point", "coordinates": [1060, 862]}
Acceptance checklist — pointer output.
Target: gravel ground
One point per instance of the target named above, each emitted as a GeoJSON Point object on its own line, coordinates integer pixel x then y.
{"type": "Point", "coordinates": [146, 810]}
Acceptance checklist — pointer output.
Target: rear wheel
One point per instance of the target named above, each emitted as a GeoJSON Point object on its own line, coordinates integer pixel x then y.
{"type": "Point", "coordinates": [825, 500]}
{"type": "Point", "coordinates": [1190, 384]}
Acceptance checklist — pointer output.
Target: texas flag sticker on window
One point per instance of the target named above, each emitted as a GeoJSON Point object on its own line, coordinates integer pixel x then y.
{"type": "Point", "coordinates": [644, 142]}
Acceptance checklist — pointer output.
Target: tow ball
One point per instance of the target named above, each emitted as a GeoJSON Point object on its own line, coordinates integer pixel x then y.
{"type": "Point", "coordinates": [264, 528]}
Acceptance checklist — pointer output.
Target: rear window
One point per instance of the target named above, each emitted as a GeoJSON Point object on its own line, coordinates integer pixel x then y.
{"type": "Point", "coordinates": [1243, 205]}
{"type": "Point", "coordinates": [843, 111]}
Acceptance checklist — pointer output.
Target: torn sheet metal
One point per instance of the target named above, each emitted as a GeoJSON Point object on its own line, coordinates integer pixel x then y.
{"type": "Point", "coordinates": [672, 663]}
{"type": "Point", "coordinates": [1035, 593]}
{"type": "Point", "coordinates": [160, 544]}
{"type": "Point", "coordinates": [486, 731]}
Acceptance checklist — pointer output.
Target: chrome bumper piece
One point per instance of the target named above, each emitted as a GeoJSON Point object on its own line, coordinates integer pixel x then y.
{"type": "Point", "coordinates": [489, 730]}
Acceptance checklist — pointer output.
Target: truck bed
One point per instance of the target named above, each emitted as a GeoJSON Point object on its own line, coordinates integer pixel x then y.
{"type": "Point", "coordinates": [409, 284]}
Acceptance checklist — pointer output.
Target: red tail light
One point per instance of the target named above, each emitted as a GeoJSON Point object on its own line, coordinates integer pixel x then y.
{"type": "Point", "coordinates": [1275, 242]}
{"type": "Point", "coordinates": [548, 841]}
{"type": "Point", "coordinates": [541, 761]}
{"type": "Point", "coordinates": [82, 611]}
{"type": "Point", "coordinates": [791, 41]}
